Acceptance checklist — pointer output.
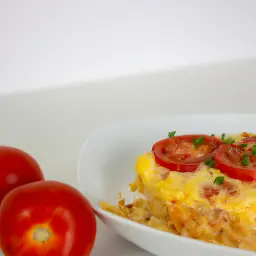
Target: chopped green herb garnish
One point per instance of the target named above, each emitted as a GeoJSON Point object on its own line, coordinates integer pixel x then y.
{"type": "Point", "coordinates": [243, 146]}
{"type": "Point", "coordinates": [213, 134]}
{"type": "Point", "coordinates": [198, 141]}
{"type": "Point", "coordinates": [219, 180]}
{"type": "Point", "coordinates": [254, 150]}
{"type": "Point", "coordinates": [228, 140]}
{"type": "Point", "coordinates": [209, 162]}
{"type": "Point", "coordinates": [171, 134]}
{"type": "Point", "coordinates": [245, 161]}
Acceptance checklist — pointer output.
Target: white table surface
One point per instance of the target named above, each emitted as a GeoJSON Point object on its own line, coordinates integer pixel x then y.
{"type": "Point", "coordinates": [55, 42]}
{"type": "Point", "coordinates": [53, 124]}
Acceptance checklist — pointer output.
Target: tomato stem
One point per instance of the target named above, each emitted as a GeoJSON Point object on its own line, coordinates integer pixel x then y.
{"type": "Point", "coordinates": [41, 235]}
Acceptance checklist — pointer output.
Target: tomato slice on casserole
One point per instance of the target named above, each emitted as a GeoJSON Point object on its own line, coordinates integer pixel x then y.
{"type": "Point", "coordinates": [185, 153]}
{"type": "Point", "coordinates": [238, 161]}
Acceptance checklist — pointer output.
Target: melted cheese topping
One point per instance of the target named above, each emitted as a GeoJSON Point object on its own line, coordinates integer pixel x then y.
{"type": "Point", "coordinates": [188, 189]}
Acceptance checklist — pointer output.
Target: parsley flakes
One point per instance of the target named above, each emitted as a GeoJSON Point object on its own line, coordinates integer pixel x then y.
{"type": "Point", "coordinates": [198, 141]}
{"type": "Point", "coordinates": [227, 140]}
{"type": "Point", "coordinates": [209, 162]}
{"type": "Point", "coordinates": [243, 145]}
{"type": "Point", "coordinates": [219, 180]}
{"type": "Point", "coordinates": [171, 134]}
{"type": "Point", "coordinates": [254, 150]}
{"type": "Point", "coordinates": [245, 161]}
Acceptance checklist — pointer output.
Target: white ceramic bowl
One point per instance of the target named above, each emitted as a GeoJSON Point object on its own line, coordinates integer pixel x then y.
{"type": "Point", "coordinates": [105, 168]}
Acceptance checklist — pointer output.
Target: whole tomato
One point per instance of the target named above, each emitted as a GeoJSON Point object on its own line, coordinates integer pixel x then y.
{"type": "Point", "coordinates": [16, 168]}
{"type": "Point", "coordinates": [46, 218]}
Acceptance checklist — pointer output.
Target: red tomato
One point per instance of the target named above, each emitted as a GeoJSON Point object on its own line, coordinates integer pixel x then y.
{"type": "Point", "coordinates": [46, 218]}
{"type": "Point", "coordinates": [249, 139]}
{"type": "Point", "coordinates": [16, 168]}
{"type": "Point", "coordinates": [229, 159]}
{"type": "Point", "coordinates": [179, 153]}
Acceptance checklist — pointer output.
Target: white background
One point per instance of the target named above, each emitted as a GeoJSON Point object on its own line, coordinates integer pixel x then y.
{"type": "Point", "coordinates": [55, 42]}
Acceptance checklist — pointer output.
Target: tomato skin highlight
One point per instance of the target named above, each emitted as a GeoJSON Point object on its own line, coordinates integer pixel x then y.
{"type": "Point", "coordinates": [227, 161]}
{"type": "Point", "coordinates": [17, 168]}
{"type": "Point", "coordinates": [46, 218]}
{"type": "Point", "coordinates": [192, 157]}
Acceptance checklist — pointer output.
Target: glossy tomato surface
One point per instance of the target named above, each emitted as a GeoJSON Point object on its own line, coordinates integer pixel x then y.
{"type": "Point", "coordinates": [16, 168]}
{"type": "Point", "coordinates": [46, 218]}
{"type": "Point", "coordinates": [237, 162]}
{"type": "Point", "coordinates": [182, 153]}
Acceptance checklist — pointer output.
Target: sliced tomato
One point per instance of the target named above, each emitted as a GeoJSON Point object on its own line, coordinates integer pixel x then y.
{"type": "Point", "coordinates": [229, 159]}
{"type": "Point", "coordinates": [180, 154]}
{"type": "Point", "coordinates": [249, 139]}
